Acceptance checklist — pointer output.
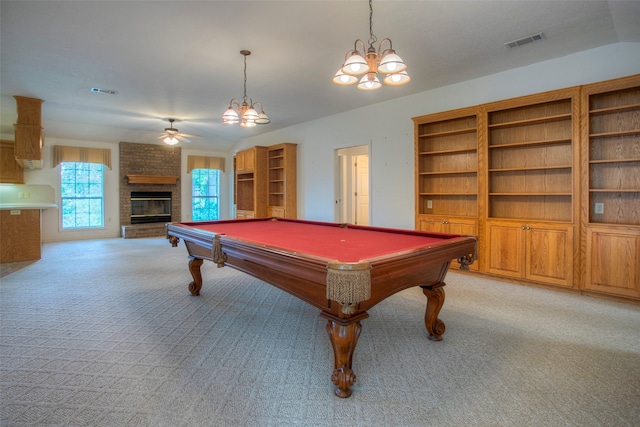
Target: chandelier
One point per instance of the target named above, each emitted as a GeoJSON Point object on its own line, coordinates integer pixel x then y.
{"type": "Point", "coordinates": [369, 64]}
{"type": "Point", "coordinates": [245, 113]}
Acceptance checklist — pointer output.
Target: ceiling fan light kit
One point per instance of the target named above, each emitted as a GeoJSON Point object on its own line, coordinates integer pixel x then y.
{"type": "Point", "coordinates": [245, 113]}
{"type": "Point", "coordinates": [369, 64]}
{"type": "Point", "coordinates": [172, 136]}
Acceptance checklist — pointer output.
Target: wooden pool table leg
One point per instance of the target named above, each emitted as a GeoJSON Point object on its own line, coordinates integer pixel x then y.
{"type": "Point", "coordinates": [435, 300]}
{"type": "Point", "coordinates": [344, 334]}
{"type": "Point", "coordinates": [194, 268]}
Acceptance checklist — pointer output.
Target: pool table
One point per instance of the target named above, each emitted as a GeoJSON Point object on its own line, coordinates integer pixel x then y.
{"type": "Point", "coordinates": [341, 269]}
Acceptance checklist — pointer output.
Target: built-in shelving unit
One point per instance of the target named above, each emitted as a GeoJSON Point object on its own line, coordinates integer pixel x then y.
{"type": "Point", "coordinates": [447, 164]}
{"type": "Point", "coordinates": [530, 156]}
{"type": "Point", "coordinates": [446, 155]}
{"type": "Point", "coordinates": [265, 181]}
{"type": "Point", "coordinates": [282, 180]}
{"type": "Point", "coordinates": [531, 205]}
{"type": "Point", "coordinates": [549, 183]}
{"type": "Point", "coordinates": [611, 186]}
{"type": "Point", "coordinates": [251, 183]}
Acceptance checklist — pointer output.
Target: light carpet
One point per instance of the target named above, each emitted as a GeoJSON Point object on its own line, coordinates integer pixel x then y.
{"type": "Point", "coordinates": [105, 333]}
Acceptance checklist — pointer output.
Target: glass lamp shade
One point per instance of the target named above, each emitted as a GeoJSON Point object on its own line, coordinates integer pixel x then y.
{"type": "Point", "coordinates": [263, 119]}
{"type": "Point", "coordinates": [391, 64]}
{"type": "Point", "coordinates": [398, 79]}
{"type": "Point", "coordinates": [355, 65]}
{"type": "Point", "coordinates": [250, 114]}
{"type": "Point", "coordinates": [230, 116]}
{"type": "Point", "coordinates": [341, 78]}
{"type": "Point", "coordinates": [369, 82]}
{"type": "Point", "coordinates": [170, 140]}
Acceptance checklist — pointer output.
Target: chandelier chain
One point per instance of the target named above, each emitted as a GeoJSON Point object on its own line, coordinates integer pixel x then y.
{"type": "Point", "coordinates": [372, 38]}
{"type": "Point", "coordinates": [244, 98]}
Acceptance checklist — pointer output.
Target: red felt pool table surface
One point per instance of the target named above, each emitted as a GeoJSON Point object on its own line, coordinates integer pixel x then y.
{"type": "Point", "coordinates": [327, 240]}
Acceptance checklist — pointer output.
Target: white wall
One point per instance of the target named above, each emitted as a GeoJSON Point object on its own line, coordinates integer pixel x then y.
{"type": "Point", "coordinates": [388, 128]}
{"type": "Point", "coordinates": [51, 230]}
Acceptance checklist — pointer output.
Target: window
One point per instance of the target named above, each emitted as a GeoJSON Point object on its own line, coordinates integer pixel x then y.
{"type": "Point", "coordinates": [205, 194]}
{"type": "Point", "coordinates": [82, 195]}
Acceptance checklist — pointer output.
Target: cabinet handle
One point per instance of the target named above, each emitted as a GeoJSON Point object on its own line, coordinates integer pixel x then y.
{"type": "Point", "coordinates": [526, 227]}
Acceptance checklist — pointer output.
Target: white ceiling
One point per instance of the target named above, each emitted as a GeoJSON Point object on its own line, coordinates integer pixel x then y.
{"type": "Point", "coordinates": [181, 59]}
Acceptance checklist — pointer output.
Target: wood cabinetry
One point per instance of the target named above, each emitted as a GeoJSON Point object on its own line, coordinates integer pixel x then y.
{"type": "Point", "coordinates": [251, 183]}
{"type": "Point", "coordinates": [246, 160]}
{"type": "Point", "coordinates": [265, 182]}
{"type": "Point", "coordinates": [10, 171]}
{"type": "Point", "coordinates": [506, 172]}
{"type": "Point", "coordinates": [532, 158]}
{"type": "Point", "coordinates": [540, 252]}
{"type": "Point", "coordinates": [20, 231]}
{"type": "Point", "coordinates": [282, 200]}
{"type": "Point", "coordinates": [29, 136]}
{"type": "Point", "coordinates": [610, 135]}
{"type": "Point", "coordinates": [446, 164]}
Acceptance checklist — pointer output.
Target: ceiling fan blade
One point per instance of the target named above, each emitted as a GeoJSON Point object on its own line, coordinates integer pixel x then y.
{"type": "Point", "coordinates": [182, 138]}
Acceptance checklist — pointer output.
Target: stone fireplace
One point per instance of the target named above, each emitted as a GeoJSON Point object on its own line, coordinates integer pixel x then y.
{"type": "Point", "coordinates": [149, 188]}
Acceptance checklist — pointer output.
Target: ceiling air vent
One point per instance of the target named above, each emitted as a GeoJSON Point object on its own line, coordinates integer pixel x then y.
{"type": "Point", "coordinates": [107, 91]}
{"type": "Point", "coordinates": [525, 40]}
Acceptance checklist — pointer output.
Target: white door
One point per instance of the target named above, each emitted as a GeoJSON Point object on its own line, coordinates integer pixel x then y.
{"type": "Point", "coordinates": [352, 185]}
{"type": "Point", "coordinates": [361, 202]}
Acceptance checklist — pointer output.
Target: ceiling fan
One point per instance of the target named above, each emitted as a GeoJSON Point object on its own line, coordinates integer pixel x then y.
{"type": "Point", "coordinates": [172, 136]}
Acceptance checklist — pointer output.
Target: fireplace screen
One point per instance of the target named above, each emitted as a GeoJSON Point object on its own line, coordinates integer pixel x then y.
{"type": "Point", "coordinates": [150, 206]}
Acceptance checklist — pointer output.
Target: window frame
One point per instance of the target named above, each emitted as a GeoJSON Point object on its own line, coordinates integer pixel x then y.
{"type": "Point", "coordinates": [195, 173]}
{"type": "Point", "coordinates": [90, 197]}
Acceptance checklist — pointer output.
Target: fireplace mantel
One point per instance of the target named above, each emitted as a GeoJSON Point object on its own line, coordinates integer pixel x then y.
{"type": "Point", "coordinates": [152, 179]}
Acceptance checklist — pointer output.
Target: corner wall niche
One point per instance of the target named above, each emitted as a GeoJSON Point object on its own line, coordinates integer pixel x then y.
{"type": "Point", "coordinates": [148, 168]}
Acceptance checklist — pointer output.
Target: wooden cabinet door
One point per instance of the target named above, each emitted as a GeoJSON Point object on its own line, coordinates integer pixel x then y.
{"type": "Point", "coordinates": [437, 225]}
{"type": "Point", "coordinates": [10, 170]}
{"type": "Point", "coordinates": [245, 161]}
{"type": "Point", "coordinates": [549, 254]}
{"type": "Point", "coordinates": [505, 249]}
{"type": "Point", "coordinates": [453, 226]}
{"type": "Point", "coordinates": [612, 261]}
{"type": "Point", "coordinates": [276, 211]}
{"type": "Point", "coordinates": [240, 214]}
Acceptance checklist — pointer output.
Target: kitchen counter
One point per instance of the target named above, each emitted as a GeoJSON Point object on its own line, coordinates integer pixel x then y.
{"type": "Point", "coordinates": [13, 206]}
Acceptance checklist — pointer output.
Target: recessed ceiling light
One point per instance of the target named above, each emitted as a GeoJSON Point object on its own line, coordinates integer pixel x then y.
{"type": "Point", "coordinates": [100, 90]}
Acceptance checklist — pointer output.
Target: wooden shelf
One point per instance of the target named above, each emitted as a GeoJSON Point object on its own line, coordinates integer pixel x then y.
{"type": "Point", "coordinates": [452, 172]}
{"type": "Point", "coordinates": [531, 143]}
{"type": "Point", "coordinates": [448, 132]}
{"type": "Point", "coordinates": [542, 119]}
{"type": "Point", "coordinates": [631, 132]}
{"type": "Point", "coordinates": [152, 179]}
{"type": "Point", "coordinates": [440, 152]}
{"type": "Point", "coordinates": [530, 194]}
{"type": "Point", "coordinates": [531, 168]}
{"type": "Point", "coordinates": [593, 162]}
{"type": "Point", "coordinates": [616, 109]}
{"type": "Point", "coordinates": [614, 190]}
